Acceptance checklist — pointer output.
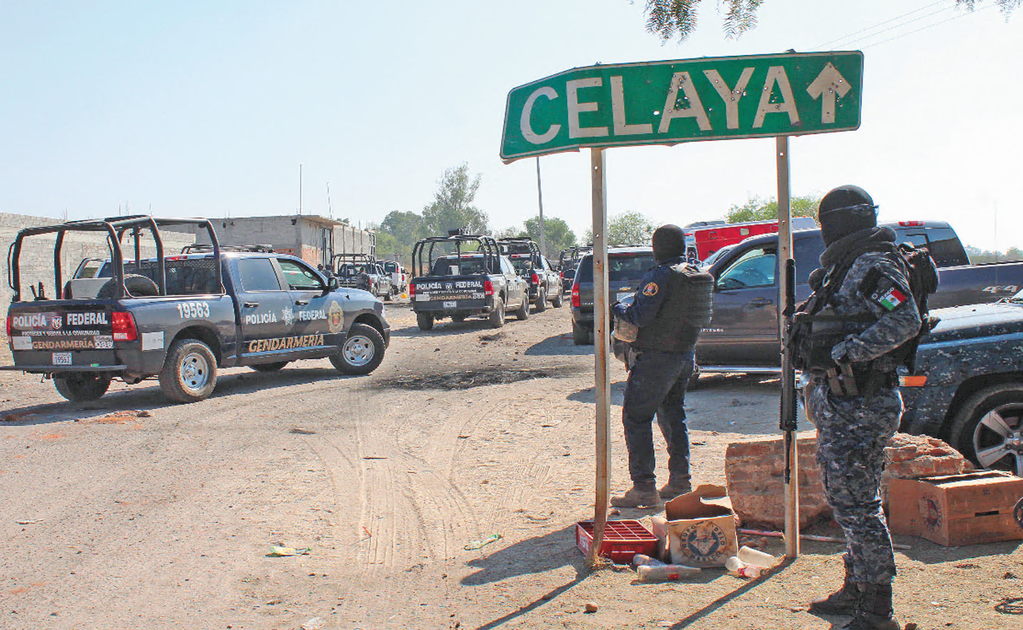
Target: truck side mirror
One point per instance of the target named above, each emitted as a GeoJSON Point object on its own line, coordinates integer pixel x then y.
{"type": "Point", "coordinates": [332, 283]}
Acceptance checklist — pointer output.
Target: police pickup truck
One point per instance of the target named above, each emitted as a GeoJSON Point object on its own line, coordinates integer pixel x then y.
{"type": "Point", "coordinates": [462, 276]}
{"type": "Point", "coordinates": [533, 267]}
{"type": "Point", "coordinates": [181, 318]}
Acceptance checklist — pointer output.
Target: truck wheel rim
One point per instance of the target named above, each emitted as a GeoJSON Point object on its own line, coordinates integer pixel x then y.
{"type": "Point", "coordinates": [195, 371]}
{"type": "Point", "coordinates": [998, 438]}
{"type": "Point", "coordinates": [358, 350]}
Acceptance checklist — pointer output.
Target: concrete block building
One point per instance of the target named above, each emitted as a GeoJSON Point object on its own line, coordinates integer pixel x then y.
{"type": "Point", "coordinates": [312, 238]}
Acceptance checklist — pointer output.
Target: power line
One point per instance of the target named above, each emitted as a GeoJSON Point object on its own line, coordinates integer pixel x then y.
{"type": "Point", "coordinates": [924, 28]}
{"type": "Point", "coordinates": [821, 46]}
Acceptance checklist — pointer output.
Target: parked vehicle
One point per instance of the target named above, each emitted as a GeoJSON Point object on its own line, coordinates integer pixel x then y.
{"type": "Point", "coordinates": [462, 276]}
{"type": "Point", "coordinates": [704, 240]}
{"type": "Point", "coordinates": [533, 266]}
{"type": "Point", "coordinates": [182, 318]}
{"type": "Point", "coordinates": [626, 266]}
{"type": "Point", "coordinates": [967, 387]}
{"type": "Point", "coordinates": [743, 336]}
{"type": "Point", "coordinates": [362, 271]}
{"type": "Point", "coordinates": [399, 276]}
{"type": "Point", "coordinates": [568, 261]}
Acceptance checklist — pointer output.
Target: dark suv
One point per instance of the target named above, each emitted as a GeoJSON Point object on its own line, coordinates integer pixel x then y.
{"type": "Point", "coordinates": [626, 266]}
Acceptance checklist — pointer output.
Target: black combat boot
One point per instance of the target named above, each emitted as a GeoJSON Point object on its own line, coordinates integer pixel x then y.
{"type": "Point", "coordinates": [842, 601]}
{"type": "Point", "coordinates": [874, 608]}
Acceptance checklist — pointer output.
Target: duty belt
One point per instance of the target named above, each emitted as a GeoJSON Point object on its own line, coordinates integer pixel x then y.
{"type": "Point", "coordinates": [848, 380]}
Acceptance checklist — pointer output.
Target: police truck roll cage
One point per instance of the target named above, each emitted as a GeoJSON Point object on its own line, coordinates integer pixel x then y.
{"type": "Point", "coordinates": [338, 260]}
{"type": "Point", "coordinates": [521, 245]}
{"type": "Point", "coordinates": [423, 253]}
{"type": "Point", "coordinates": [115, 228]}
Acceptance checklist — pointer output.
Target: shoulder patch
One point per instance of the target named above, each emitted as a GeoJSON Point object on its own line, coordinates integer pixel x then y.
{"type": "Point", "coordinates": [889, 298]}
{"type": "Point", "coordinates": [650, 289]}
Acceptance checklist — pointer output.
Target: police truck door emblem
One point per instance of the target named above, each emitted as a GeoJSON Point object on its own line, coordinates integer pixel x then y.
{"type": "Point", "coordinates": [930, 510]}
{"type": "Point", "coordinates": [704, 542]}
{"type": "Point", "coordinates": [288, 315]}
{"type": "Point", "coordinates": [56, 321]}
{"type": "Point", "coordinates": [650, 289]}
{"type": "Point", "coordinates": [335, 317]}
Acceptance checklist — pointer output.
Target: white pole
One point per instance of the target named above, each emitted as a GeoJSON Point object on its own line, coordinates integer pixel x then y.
{"type": "Point", "coordinates": [300, 188]}
{"type": "Point", "coordinates": [788, 397]}
{"type": "Point", "coordinates": [601, 347]}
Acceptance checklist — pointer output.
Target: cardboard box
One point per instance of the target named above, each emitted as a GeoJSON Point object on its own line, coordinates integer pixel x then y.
{"type": "Point", "coordinates": [700, 528]}
{"type": "Point", "coordinates": [954, 510]}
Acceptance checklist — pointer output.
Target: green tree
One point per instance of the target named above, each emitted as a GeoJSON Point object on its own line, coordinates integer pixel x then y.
{"type": "Point", "coordinates": [669, 19]}
{"type": "Point", "coordinates": [452, 205]}
{"type": "Point", "coordinates": [405, 228]}
{"type": "Point", "coordinates": [629, 228]}
{"type": "Point", "coordinates": [758, 209]}
{"type": "Point", "coordinates": [387, 246]}
{"type": "Point", "coordinates": [510, 232]}
{"type": "Point", "coordinates": [558, 235]}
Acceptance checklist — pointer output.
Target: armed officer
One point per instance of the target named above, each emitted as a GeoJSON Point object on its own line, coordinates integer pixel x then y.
{"type": "Point", "coordinates": [863, 312]}
{"type": "Point", "coordinates": [671, 306]}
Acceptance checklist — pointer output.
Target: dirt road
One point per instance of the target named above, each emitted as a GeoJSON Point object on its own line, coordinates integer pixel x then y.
{"type": "Point", "coordinates": [130, 512]}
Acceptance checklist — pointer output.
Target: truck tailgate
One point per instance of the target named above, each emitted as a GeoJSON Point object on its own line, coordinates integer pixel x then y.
{"type": "Point", "coordinates": [457, 292]}
{"type": "Point", "coordinates": [62, 335]}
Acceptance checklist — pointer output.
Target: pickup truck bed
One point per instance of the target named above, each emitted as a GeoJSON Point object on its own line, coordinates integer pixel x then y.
{"type": "Point", "coordinates": [743, 335]}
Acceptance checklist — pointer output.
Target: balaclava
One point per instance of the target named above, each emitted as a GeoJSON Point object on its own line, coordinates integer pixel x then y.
{"type": "Point", "coordinates": [845, 210]}
{"type": "Point", "coordinates": [669, 241]}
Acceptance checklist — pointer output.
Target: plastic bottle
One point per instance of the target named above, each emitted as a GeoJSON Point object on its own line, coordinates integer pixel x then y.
{"type": "Point", "coordinates": [756, 558]}
{"type": "Point", "coordinates": [649, 573]}
{"type": "Point", "coordinates": [739, 568]}
{"type": "Point", "coordinates": [641, 559]}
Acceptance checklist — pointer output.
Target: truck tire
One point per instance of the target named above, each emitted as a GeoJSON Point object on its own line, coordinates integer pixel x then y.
{"type": "Point", "coordinates": [138, 286]}
{"type": "Point", "coordinates": [580, 335]}
{"type": "Point", "coordinates": [522, 312]}
{"type": "Point", "coordinates": [988, 427]}
{"type": "Point", "coordinates": [458, 317]}
{"type": "Point", "coordinates": [541, 300]}
{"type": "Point", "coordinates": [425, 321]}
{"type": "Point", "coordinates": [276, 366]}
{"type": "Point", "coordinates": [81, 386]}
{"type": "Point", "coordinates": [189, 372]}
{"type": "Point", "coordinates": [558, 300]}
{"type": "Point", "coordinates": [497, 315]}
{"type": "Point", "coordinates": [362, 351]}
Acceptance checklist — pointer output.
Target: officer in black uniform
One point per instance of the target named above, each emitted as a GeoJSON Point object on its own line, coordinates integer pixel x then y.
{"type": "Point", "coordinates": [671, 306]}
{"type": "Point", "coordinates": [862, 313]}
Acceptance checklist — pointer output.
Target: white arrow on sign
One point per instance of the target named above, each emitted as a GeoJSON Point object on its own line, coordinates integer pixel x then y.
{"type": "Point", "coordinates": [827, 83]}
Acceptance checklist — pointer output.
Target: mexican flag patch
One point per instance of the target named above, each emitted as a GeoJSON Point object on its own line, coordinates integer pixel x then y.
{"type": "Point", "coordinates": [892, 298]}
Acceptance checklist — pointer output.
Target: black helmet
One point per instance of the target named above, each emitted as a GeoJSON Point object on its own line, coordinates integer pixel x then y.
{"type": "Point", "coordinates": [669, 241]}
{"type": "Point", "coordinates": [845, 210]}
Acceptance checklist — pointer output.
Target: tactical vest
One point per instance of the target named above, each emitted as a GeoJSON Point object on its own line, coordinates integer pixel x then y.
{"type": "Point", "coordinates": [684, 312]}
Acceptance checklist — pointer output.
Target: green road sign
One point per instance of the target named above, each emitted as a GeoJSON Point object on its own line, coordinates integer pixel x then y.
{"type": "Point", "coordinates": [667, 102]}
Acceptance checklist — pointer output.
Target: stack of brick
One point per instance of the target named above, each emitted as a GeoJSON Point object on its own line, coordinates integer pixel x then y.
{"type": "Point", "coordinates": [755, 475]}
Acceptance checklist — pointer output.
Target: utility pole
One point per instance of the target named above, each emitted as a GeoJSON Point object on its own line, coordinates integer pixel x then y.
{"type": "Point", "coordinates": [539, 197]}
{"type": "Point", "coordinates": [300, 188]}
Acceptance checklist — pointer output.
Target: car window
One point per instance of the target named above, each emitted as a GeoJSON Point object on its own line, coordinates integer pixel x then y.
{"type": "Point", "coordinates": [755, 268]}
{"type": "Point", "coordinates": [257, 274]}
{"type": "Point", "coordinates": [631, 267]}
{"type": "Point", "coordinates": [506, 267]}
{"type": "Point", "coordinates": [299, 277]}
{"type": "Point", "coordinates": [807, 253]}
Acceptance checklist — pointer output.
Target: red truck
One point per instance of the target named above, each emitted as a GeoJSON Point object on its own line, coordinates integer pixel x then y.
{"type": "Point", "coordinates": [702, 240]}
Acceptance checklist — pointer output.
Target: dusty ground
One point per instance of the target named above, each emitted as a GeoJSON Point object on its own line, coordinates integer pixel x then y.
{"type": "Point", "coordinates": [164, 519]}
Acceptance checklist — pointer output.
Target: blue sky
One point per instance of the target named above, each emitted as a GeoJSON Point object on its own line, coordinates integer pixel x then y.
{"type": "Point", "coordinates": [208, 108]}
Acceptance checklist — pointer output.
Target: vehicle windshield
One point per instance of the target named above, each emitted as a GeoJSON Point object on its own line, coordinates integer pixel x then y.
{"type": "Point", "coordinates": [448, 265]}
{"type": "Point", "coordinates": [522, 264]}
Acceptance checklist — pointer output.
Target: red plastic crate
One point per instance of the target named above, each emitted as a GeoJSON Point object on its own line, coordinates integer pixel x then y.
{"type": "Point", "coordinates": [622, 540]}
